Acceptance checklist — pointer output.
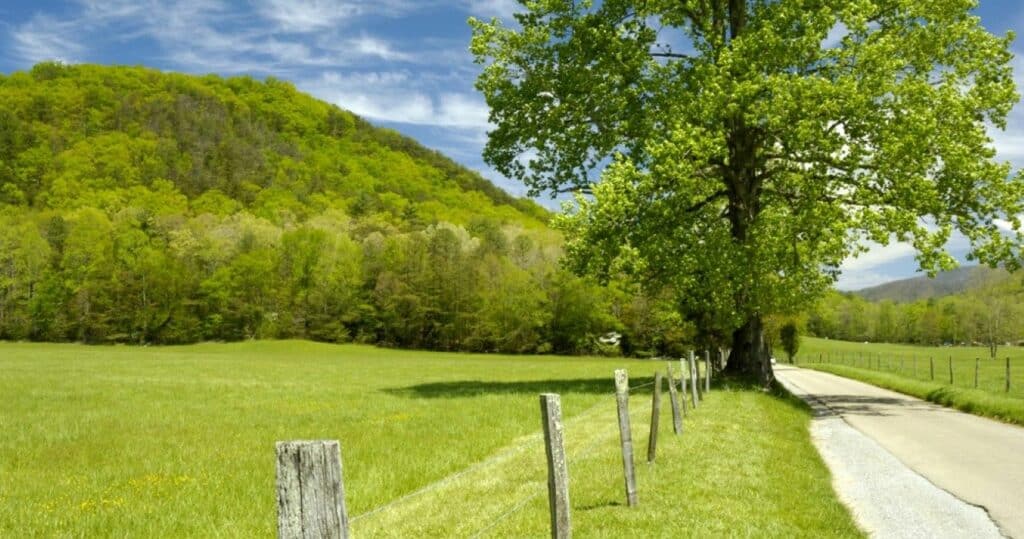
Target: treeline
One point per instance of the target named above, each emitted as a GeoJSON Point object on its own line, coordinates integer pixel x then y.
{"type": "Point", "coordinates": [86, 276]}
{"type": "Point", "coordinates": [990, 313]}
{"type": "Point", "coordinates": [144, 207]}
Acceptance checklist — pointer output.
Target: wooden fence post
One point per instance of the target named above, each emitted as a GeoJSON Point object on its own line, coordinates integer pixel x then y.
{"type": "Point", "coordinates": [693, 381]}
{"type": "Point", "coordinates": [652, 438]}
{"type": "Point", "coordinates": [931, 367]}
{"type": "Point", "coordinates": [950, 370]}
{"type": "Point", "coordinates": [558, 471]}
{"type": "Point", "coordinates": [1007, 374]}
{"type": "Point", "coordinates": [310, 491]}
{"type": "Point", "coordinates": [976, 362]}
{"type": "Point", "coordinates": [625, 435]}
{"type": "Point", "coordinates": [707, 371]}
{"type": "Point", "coordinates": [684, 392]}
{"type": "Point", "coordinates": [673, 397]}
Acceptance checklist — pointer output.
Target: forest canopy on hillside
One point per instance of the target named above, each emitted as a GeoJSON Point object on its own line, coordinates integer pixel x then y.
{"type": "Point", "coordinates": [148, 207]}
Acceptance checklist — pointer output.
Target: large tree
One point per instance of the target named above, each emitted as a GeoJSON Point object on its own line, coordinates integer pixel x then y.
{"type": "Point", "coordinates": [746, 147]}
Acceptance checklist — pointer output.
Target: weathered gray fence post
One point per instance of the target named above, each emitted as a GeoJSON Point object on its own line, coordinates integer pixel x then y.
{"type": "Point", "coordinates": [976, 364]}
{"type": "Point", "coordinates": [694, 381]}
{"type": "Point", "coordinates": [310, 491]}
{"type": "Point", "coordinates": [950, 370]}
{"type": "Point", "coordinates": [625, 435]}
{"type": "Point", "coordinates": [684, 393]}
{"type": "Point", "coordinates": [652, 439]}
{"type": "Point", "coordinates": [707, 371]}
{"type": "Point", "coordinates": [673, 397]}
{"type": "Point", "coordinates": [558, 471]}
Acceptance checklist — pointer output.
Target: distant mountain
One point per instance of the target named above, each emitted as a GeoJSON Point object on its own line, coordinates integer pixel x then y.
{"type": "Point", "coordinates": [917, 288]}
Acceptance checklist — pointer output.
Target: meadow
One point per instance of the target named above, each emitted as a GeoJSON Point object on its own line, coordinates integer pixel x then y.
{"type": "Point", "coordinates": [179, 442]}
{"type": "Point", "coordinates": [909, 369]}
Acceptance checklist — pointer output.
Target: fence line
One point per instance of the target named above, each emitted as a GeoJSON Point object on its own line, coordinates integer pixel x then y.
{"type": "Point", "coordinates": [985, 376]}
{"type": "Point", "coordinates": [557, 462]}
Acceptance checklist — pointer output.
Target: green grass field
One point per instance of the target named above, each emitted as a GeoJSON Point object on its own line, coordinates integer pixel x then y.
{"type": "Point", "coordinates": [924, 372]}
{"type": "Point", "coordinates": [178, 441]}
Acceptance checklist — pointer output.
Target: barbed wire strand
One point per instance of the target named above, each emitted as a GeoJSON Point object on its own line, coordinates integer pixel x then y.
{"type": "Point", "coordinates": [532, 439]}
{"type": "Point", "coordinates": [515, 509]}
{"type": "Point", "coordinates": [585, 453]}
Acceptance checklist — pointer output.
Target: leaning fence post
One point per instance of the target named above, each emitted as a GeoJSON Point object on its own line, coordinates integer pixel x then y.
{"type": "Point", "coordinates": [625, 436]}
{"type": "Point", "coordinates": [673, 397]}
{"type": "Point", "coordinates": [310, 491]}
{"type": "Point", "coordinates": [558, 472]}
{"type": "Point", "coordinates": [1007, 374]}
{"type": "Point", "coordinates": [693, 381]}
{"type": "Point", "coordinates": [976, 362]}
{"type": "Point", "coordinates": [652, 439]}
{"type": "Point", "coordinates": [931, 367]}
{"type": "Point", "coordinates": [950, 370]}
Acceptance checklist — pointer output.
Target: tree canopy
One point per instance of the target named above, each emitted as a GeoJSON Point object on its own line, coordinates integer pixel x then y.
{"type": "Point", "coordinates": [752, 145]}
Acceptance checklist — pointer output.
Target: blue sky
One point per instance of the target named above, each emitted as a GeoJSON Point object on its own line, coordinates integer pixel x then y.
{"type": "Point", "coordinates": [399, 63]}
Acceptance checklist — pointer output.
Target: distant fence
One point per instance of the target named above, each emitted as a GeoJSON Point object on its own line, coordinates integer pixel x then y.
{"type": "Point", "coordinates": [310, 484]}
{"type": "Point", "coordinates": [988, 374]}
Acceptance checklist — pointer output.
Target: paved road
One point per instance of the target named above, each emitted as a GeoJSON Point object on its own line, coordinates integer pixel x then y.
{"type": "Point", "coordinates": [977, 460]}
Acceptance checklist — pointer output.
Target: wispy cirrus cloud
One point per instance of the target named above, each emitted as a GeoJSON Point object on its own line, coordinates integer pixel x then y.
{"type": "Point", "coordinates": [399, 97]}
{"type": "Point", "coordinates": [45, 38]}
{"type": "Point", "coordinates": [279, 37]}
{"type": "Point", "coordinates": [304, 16]}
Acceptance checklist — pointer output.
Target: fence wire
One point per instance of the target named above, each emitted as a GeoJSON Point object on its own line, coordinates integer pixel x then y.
{"type": "Point", "coordinates": [533, 439]}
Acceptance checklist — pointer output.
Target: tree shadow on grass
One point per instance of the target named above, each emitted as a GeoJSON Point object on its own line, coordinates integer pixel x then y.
{"type": "Point", "coordinates": [478, 388]}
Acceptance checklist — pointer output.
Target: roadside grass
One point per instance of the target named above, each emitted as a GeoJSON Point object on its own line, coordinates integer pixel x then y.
{"type": "Point", "coordinates": [907, 369]}
{"type": "Point", "coordinates": [178, 441]}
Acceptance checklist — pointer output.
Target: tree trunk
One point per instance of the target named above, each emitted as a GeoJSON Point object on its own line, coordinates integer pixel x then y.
{"type": "Point", "coordinates": [749, 355]}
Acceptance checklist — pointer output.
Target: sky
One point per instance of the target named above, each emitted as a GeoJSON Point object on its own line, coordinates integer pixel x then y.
{"type": "Point", "coordinates": [402, 64]}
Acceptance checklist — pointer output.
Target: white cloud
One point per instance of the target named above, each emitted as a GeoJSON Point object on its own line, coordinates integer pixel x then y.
{"type": "Point", "coordinates": [371, 46]}
{"type": "Point", "coordinates": [307, 15]}
{"type": "Point", "coordinates": [210, 36]}
{"type": "Point", "coordinates": [303, 16]}
{"type": "Point", "coordinates": [398, 97]}
{"type": "Point", "coordinates": [878, 255]}
{"type": "Point", "coordinates": [45, 38]}
{"type": "Point", "coordinates": [485, 9]}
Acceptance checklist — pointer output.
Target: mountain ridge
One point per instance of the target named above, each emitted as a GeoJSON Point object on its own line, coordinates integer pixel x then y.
{"type": "Point", "coordinates": [912, 289]}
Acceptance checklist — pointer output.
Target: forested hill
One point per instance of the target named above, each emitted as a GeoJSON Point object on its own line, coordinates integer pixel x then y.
{"type": "Point", "coordinates": [944, 284]}
{"type": "Point", "coordinates": [140, 206]}
{"type": "Point", "coordinates": [85, 135]}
